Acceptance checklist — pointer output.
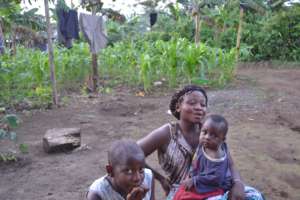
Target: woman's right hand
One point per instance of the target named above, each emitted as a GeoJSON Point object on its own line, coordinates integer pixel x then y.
{"type": "Point", "coordinates": [165, 184]}
{"type": "Point", "coordinates": [237, 191]}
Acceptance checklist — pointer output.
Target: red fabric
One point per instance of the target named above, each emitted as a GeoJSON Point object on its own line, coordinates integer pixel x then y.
{"type": "Point", "coordinates": [182, 194]}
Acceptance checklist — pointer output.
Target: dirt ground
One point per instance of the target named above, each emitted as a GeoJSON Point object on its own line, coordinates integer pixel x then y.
{"type": "Point", "coordinates": [262, 106]}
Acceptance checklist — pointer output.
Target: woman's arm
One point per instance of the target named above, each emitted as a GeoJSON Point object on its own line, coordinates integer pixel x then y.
{"type": "Point", "coordinates": [238, 189]}
{"type": "Point", "coordinates": [157, 140]}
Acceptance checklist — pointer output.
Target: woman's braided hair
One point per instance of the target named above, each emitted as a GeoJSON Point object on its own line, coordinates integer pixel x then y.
{"type": "Point", "coordinates": [177, 97]}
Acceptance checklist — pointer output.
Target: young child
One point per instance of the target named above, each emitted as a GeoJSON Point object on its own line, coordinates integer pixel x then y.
{"type": "Point", "coordinates": [126, 178]}
{"type": "Point", "coordinates": [210, 174]}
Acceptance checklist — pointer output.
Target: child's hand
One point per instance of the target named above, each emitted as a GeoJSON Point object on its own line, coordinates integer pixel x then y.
{"type": "Point", "coordinates": [137, 193]}
{"type": "Point", "coordinates": [188, 183]}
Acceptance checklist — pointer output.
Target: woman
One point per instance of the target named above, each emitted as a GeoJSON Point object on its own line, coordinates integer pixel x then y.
{"type": "Point", "coordinates": [176, 142]}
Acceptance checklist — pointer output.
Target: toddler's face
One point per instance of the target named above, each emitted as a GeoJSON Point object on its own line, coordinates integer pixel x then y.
{"type": "Point", "coordinates": [130, 174]}
{"type": "Point", "coordinates": [210, 136]}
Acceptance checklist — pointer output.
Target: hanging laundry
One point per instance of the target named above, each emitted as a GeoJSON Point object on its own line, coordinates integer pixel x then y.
{"type": "Point", "coordinates": [93, 30]}
{"type": "Point", "coordinates": [68, 27]}
{"type": "Point", "coordinates": [153, 18]}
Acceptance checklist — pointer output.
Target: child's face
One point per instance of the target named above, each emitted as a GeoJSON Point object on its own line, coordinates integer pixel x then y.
{"type": "Point", "coordinates": [211, 137]}
{"type": "Point", "coordinates": [129, 175]}
{"type": "Point", "coordinates": [193, 107]}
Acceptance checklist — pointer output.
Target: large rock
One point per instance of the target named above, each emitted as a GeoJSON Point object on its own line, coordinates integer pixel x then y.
{"type": "Point", "coordinates": [61, 139]}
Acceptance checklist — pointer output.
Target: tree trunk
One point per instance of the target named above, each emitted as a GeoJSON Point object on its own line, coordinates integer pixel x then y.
{"type": "Point", "coordinates": [238, 39]}
{"type": "Point", "coordinates": [50, 54]}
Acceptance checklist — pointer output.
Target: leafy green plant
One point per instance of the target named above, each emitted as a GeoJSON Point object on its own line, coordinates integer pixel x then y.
{"type": "Point", "coordinates": [23, 148]}
{"type": "Point", "coordinates": [7, 157]}
{"type": "Point", "coordinates": [7, 123]}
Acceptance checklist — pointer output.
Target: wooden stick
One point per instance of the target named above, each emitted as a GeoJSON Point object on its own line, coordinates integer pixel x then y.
{"type": "Point", "coordinates": [238, 39]}
{"type": "Point", "coordinates": [50, 54]}
{"type": "Point", "coordinates": [95, 64]}
{"type": "Point", "coordinates": [197, 28]}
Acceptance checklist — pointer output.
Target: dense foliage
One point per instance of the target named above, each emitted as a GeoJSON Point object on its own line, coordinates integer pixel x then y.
{"type": "Point", "coordinates": [275, 36]}
{"type": "Point", "coordinates": [267, 34]}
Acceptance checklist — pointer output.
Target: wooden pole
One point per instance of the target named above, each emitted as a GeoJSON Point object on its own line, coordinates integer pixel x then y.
{"type": "Point", "coordinates": [238, 38]}
{"type": "Point", "coordinates": [50, 54]}
{"type": "Point", "coordinates": [14, 40]}
{"type": "Point", "coordinates": [1, 38]}
{"type": "Point", "coordinates": [72, 5]}
{"type": "Point", "coordinates": [95, 72]}
{"type": "Point", "coordinates": [94, 65]}
{"type": "Point", "coordinates": [197, 23]}
{"type": "Point", "coordinates": [1, 32]}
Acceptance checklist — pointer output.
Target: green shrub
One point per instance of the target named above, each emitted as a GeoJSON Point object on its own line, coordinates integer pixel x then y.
{"type": "Point", "coordinates": [7, 123]}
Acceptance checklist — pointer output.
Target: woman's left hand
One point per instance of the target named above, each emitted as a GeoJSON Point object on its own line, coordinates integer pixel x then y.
{"type": "Point", "coordinates": [237, 191]}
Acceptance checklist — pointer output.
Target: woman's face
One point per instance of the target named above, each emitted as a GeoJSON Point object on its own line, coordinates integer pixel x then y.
{"type": "Point", "coordinates": [193, 107]}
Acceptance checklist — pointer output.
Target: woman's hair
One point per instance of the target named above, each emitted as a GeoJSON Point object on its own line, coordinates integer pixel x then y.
{"type": "Point", "coordinates": [177, 97]}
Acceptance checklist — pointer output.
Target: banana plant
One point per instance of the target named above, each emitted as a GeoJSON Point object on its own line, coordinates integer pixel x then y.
{"type": "Point", "coordinates": [7, 9]}
{"type": "Point", "coordinates": [196, 7]}
{"type": "Point", "coordinates": [15, 21]}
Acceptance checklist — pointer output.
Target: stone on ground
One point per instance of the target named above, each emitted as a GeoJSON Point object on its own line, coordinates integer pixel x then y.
{"type": "Point", "coordinates": [61, 139]}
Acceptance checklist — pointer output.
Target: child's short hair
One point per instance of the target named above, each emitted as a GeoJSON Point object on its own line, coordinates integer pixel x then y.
{"type": "Point", "coordinates": [219, 121]}
{"type": "Point", "coordinates": [177, 97]}
{"type": "Point", "coordinates": [123, 149]}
